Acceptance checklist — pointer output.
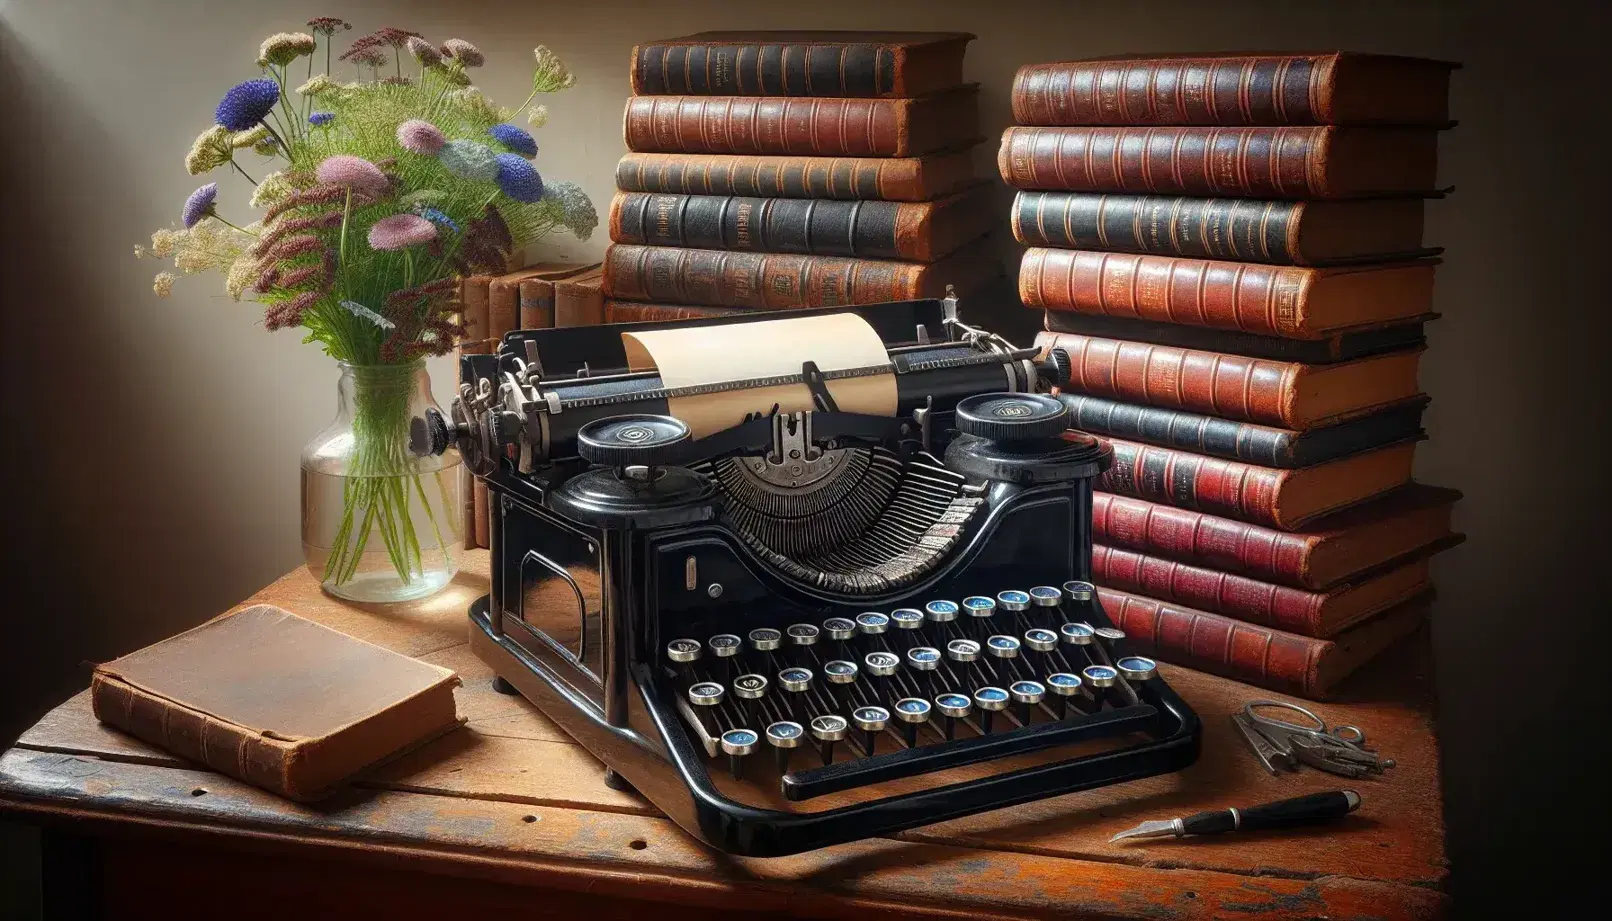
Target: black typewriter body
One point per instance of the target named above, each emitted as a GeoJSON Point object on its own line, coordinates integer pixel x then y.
{"type": "Point", "coordinates": [685, 618]}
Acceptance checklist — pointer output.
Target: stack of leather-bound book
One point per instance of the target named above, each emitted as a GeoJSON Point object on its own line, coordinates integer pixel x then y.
{"type": "Point", "coordinates": [778, 170]}
{"type": "Point", "coordinates": [1229, 251]}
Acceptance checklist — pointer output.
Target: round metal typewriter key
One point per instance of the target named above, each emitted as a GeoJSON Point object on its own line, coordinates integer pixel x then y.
{"type": "Point", "coordinates": [803, 634]}
{"type": "Point", "coordinates": [839, 671]}
{"type": "Point", "coordinates": [941, 611]}
{"type": "Point", "coordinates": [839, 628]}
{"type": "Point", "coordinates": [913, 712]}
{"type": "Point", "coordinates": [923, 658]}
{"type": "Point", "coordinates": [871, 720]}
{"type": "Point", "coordinates": [1110, 635]}
{"type": "Point", "coordinates": [872, 623]}
{"type": "Point", "coordinates": [827, 730]}
{"type": "Point", "coordinates": [705, 694]}
{"type": "Point", "coordinates": [1137, 668]}
{"type": "Point", "coordinates": [682, 651]}
{"type": "Point", "coordinates": [750, 687]}
{"type": "Point", "coordinates": [980, 610]}
{"type": "Point", "coordinates": [1013, 600]}
{"type": "Point", "coordinates": [907, 618]}
{"type": "Point", "coordinates": [1079, 592]}
{"type": "Point", "coordinates": [738, 743]}
{"type": "Point", "coordinates": [1041, 640]}
{"type": "Point", "coordinates": [953, 707]}
{"type": "Point", "coordinates": [784, 736]}
{"type": "Point", "coordinates": [1077, 634]}
{"type": "Point", "coordinates": [1045, 596]}
{"type": "Point", "coordinates": [724, 645]}
{"type": "Point", "coordinates": [881, 663]}
{"type": "Point", "coordinates": [795, 679]}
{"type": "Point", "coordinates": [1065, 687]}
{"type": "Point", "coordinates": [989, 700]}
{"type": "Point", "coordinates": [765, 639]}
{"type": "Point", "coordinates": [1027, 694]}
{"type": "Point", "coordinates": [1003, 647]}
{"type": "Point", "coordinates": [963, 650]}
{"type": "Point", "coordinates": [1099, 678]}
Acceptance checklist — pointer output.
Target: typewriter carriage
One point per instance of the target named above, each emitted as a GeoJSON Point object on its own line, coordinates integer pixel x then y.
{"type": "Point", "coordinates": [784, 519]}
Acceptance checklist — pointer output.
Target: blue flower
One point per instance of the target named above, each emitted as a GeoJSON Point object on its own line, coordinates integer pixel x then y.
{"type": "Point", "coordinates": [437, 217]}
{"type": "Point", "coordinates": [321, 118]}
{"type": "Point", "coordinates": [199, 204]}
{"type": "Point", "coordinates": [247, 104]}
{"type": "Point", "coordinates": [515, 138]}
{"type": "Point", "coordinates": [519, 179]}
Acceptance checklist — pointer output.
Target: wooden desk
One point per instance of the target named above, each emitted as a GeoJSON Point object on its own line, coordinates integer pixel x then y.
{"type": "Point", "coordinates": [509, 815]}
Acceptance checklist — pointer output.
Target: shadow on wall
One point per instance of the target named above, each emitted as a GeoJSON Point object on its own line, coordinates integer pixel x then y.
{"type": "Point", "coordinates": [106, 550]}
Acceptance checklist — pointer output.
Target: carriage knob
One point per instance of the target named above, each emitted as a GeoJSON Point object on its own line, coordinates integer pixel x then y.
{"type": "Point", "coordinates": [638, 440]}
{"type": "Point", "coordinates": [1012, 416]}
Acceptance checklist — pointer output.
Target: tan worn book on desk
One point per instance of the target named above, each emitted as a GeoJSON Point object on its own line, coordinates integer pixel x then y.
{"type": "Point", "coordinates": [277, 701]}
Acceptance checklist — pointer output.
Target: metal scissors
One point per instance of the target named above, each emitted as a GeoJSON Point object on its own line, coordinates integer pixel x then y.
{"type": "Point", "coordinates": [1336, 749]}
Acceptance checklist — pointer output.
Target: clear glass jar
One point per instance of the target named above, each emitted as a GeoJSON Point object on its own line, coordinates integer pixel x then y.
{"type": "Point", "coordinates": [378, 523]}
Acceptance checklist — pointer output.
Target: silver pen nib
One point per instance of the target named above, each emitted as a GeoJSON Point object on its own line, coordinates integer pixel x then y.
{"type": "Point", "coordinates": [1157, 828]}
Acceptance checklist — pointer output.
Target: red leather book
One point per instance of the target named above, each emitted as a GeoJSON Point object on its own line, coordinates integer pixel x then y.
{"type": "Point", "coordinates": [1283, 499]}
{"type": "Point", "coordinates": [800, 63]}
{"type": "Point", "coordinates": [633, 312]}
{"type": "Point", "coordinates": [807, 127]}
{"type": "Point", "coordinates": [1340, 88]}
{"type": "Point", "coordinates": [1264, 604]}
{"type": "Point", "coordinates": [1272, 659]}
{"type": "Point", "coordinates": [844, 178]}
{"type": "Point", "coordinates": [1297, 303]}
{"type": "Point", "coordinates": [772, 281]}
{"type": "Point", "coordinates": [1241, 162]}
{"type": "Point", "coordinates": [1318, 557]}
{"type": "Point", "coordinates": [1284, 394]}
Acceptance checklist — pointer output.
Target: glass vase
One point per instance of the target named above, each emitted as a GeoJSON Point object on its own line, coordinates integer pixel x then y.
{"type": "Point", "coordinates": [378, 523]}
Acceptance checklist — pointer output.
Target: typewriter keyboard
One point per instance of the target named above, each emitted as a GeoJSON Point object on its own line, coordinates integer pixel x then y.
{"type": "Point", "coordinates": [880, 681]}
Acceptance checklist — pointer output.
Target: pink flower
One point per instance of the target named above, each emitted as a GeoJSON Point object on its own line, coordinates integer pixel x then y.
{"type": "Point", "coordinates": [401, 231]}
{"type": "Point", "coordinates": [355, 173]}
{"type": "Point", "coordinates": [420, 137]}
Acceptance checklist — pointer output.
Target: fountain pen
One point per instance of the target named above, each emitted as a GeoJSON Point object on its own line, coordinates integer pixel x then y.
{"type": "Point", "coordinates": [1303, 810]}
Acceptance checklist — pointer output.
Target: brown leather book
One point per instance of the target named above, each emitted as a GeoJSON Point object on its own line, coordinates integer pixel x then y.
{"type": "Point", "coordinates": [1284, 394]}
{"type": "Point", "coordinates": [1297, 303]}
{"type": "Point", "coordinates": [1319, 557]}
{"type": "Point", "coordinates": [1246, 229]}
{"type": "Point", "coordinates": [279, 702]}
{"type": "Point", "coordinates": [474, 307]}
{"type": "Point", "coordinates": [1271, 659]}
{"type": "Point", "coordinates": [841, 178]}
{"type": "Point", "coordinates": [1265, 604]}
{"type": "Point", "coordinates": [804, 127]}
{"type": "Point", "coordinates": [1270, 496]}
{"type": "Point", "coordinates": [579, 300]}
{"type": "Point", "coordinates": [770, 281]}
{"type": "Point", "coordinates": [1320, 162]}
{"type": "Point", "coordinates": [504, 294]}
{"type": "Point", "coordinates": [1331, 88]}
{"type": "Point", "coordinates": [800, 63]}
{"type": "Point", "coordinates": [633, 312]}
{"type": "Point", "coordinates": [919, 232]}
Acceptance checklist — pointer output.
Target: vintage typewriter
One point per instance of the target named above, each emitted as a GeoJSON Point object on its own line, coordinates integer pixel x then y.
{"type": "Point", "coordinates": [816, 624]}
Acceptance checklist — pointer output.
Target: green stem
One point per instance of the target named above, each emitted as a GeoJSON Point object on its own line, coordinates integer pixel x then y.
{"type": "Point", "coordinates": [242, 171]}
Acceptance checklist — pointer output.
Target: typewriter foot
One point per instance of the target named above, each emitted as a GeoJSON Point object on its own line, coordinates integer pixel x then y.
{"type": "Point", "coordinates": [617, 782]}
{"type": "Point", "coordinates": [504, 687]}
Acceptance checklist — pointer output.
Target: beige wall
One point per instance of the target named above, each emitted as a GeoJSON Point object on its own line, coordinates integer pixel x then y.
{"type": "Point", "coordinates": [153, 475]}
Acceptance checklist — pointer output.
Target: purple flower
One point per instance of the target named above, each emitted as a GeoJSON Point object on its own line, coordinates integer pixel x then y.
{"type": "Point", "coordinates": [199, 204]}
{"type": "Point", "coordinates": [421, 137]}
{"type": "Point", "coordinates": [351, 172]}
{"type": "Point", "coordinates": [321, 118]}
{"type": "Point", "coordinates": [401, 231]}
{"type": "Point", "coordinates": [519, 179]}
{"type": "Point", "coordinates": [515, 138]}
{"type": "Point", "coordinates": [247, 104]}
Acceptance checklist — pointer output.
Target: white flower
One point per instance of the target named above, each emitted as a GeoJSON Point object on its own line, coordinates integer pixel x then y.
{"type": "Point", "coordinates": [538, 117]}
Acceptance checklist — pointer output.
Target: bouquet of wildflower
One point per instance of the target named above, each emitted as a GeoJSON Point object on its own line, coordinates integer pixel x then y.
{"type": "Point", "coordinates": [382, 192]}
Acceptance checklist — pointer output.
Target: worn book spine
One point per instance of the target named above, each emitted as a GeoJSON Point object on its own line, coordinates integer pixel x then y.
{"type": "Point", "coordinates": [1205, 539]}
{"type": "Point", "coordinates": [474, 306]}
{"type": "Point", "coordinates": [810, 127]}
{"type": "Point", "coordinates": [503, 306]}
{"type": "Point", "coordinates": [1228, 386]}
{"type": "Point", "coordinates": [630, 312]}
{"type": "Point", "coordinates": [1261, 299]}
{"type": "Point", "coordinates": [852, 69]}
{"type": "Point", "coordinates": [537, 303]}
{"type": "Point", "coordinates": [1289, 89]}
{"type": "Point", "coordinates": [760, 280]}
{"type": "Point", "coordinates": [1341, 346]}
{"type": "Point", "coordinates": [1207, 228]}
{"type": "Point", "coordinates": [579, 301]}
{"type": "Point", "coordinates": [839, 178]}
{"type": "Point", "coordinates": [1255, 444]}
{"type": "Point", "coordinates": [857, 229]}
{"type": "Point", "coordinates": [1210, 484]}
{"type": "Point", "coordinates": [1239, 162]}
{"type": "Point", "coordinates": [1267, 658]}
{"type": "Point", "coordinates": [1262, 603]}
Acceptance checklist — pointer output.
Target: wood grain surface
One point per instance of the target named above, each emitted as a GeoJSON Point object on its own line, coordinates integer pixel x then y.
{"type": "Point", "coordinates": [511, 800]}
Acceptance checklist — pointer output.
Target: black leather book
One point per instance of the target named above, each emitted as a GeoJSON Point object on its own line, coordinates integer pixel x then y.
{"type": "Point", "coordinates": [1344, 346]}
{"type": "Point", "coordinates": [1242, 441]}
